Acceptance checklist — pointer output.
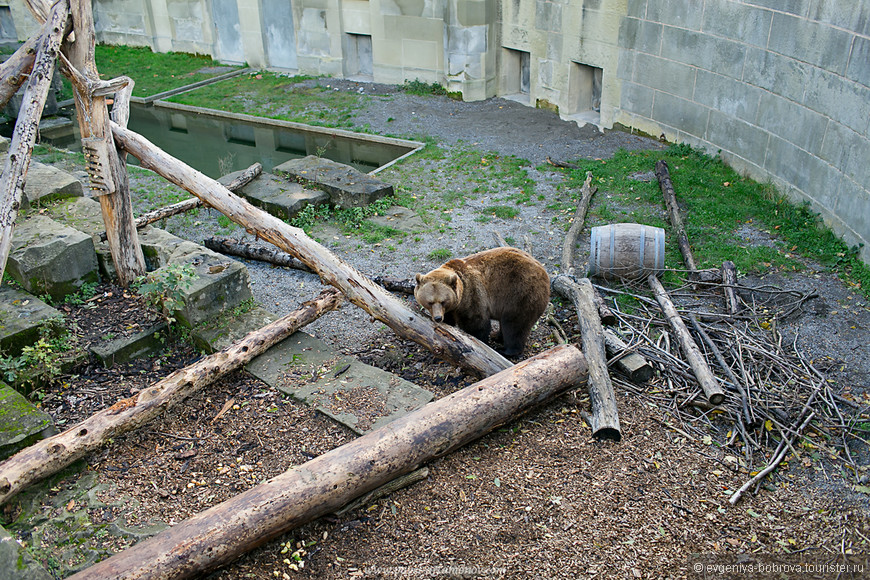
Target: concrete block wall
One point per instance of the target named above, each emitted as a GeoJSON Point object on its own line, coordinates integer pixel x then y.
{"type": "Point", "coordinates": [782, 89]}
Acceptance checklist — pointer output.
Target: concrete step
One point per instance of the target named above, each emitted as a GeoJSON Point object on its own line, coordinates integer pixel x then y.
{"type": "Point", "coordinates": [346, 186]}
{"type": "Point", "coordinates": [148, 342]}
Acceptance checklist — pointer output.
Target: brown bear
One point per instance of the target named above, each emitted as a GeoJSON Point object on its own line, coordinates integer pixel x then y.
{"type": "Point", "coordinates": [504, 284]}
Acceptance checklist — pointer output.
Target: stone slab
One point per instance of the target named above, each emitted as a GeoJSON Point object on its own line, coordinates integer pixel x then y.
{"type": "Point", "coordinates": [399, 218]}
{"type": "Point", "coordinates": [353, 393]}
{"type": "Point", "coordinates": [223, 331]}
{"type": "Point", "coordinates": [21, 317]}
{"type": "Point", "coordinates": [48, 257]}
{"type": "Point", "coordinates": [281, 198]}
{"type": "Point", "coordinates": [85, 215]}
{"type": "Point", "coordinates": [346, 186]}
{"type": "Point", "coordinates": [124, 349]}
{"type": "Point", "coordinates": [21, 423]}
{"type": "Point", "coordinates": [19, 565]}
{"type": "Point", "coordinates": [45, 183]}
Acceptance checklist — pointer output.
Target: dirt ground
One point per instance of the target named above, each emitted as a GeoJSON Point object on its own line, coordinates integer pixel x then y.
{"type": "Point", "coordinates": [538, 497]}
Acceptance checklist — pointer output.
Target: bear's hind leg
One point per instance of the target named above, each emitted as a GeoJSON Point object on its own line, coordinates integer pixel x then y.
{"type": "Point", "coordinates": [514, 334]}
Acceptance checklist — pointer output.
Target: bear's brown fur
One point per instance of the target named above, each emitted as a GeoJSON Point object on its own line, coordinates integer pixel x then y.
{"type": "Point", "coordinates": [504, 284]}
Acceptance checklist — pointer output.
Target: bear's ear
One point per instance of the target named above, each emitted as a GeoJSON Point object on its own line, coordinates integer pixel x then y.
{"type": "Point", "coordinates": [451, 279]}
{"type": "Point", "coordinates": [419, 277]}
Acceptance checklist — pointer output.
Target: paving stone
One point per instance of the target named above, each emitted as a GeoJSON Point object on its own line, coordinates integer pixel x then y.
{"type": "Point", "coordinates": [124, 349]}
{"type": "Point", "coordinates": [17, 563]}
{"type": "Point", "coordinates": [399, 218]}
{"type": "Point", "coordinates": [353, 393]}
{"type": "Point", "coordinates": [280, 197]}
{"type": "Point", "coordinates": [48, 257]}
{"type": "Point", "coordinates": [21, 423]}
{"type": "Point", "coordinates": [45, 183]}
{"type": "Point", "coordinates": [346, 186]}
{"type": "Point", "coordinates": [225, 330]}
{"type": "Point", "coordinates": [21, 317]}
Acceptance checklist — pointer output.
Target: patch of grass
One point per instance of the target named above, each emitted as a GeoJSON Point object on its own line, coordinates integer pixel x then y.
{"type": "Point", "coordinates": [440, 254]}
{"type": "Point", "coordinates": [418, 87]}
{"type": "Point", "coordinates": [504, 212]}
{"type": "Point", "coordinates": [153, 72]}
{"type": "Point", "coordinates": [278, 96]}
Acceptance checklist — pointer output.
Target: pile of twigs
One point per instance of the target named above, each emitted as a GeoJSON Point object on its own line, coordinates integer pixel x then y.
{"type": "Point", "coordinates": [775, 398]}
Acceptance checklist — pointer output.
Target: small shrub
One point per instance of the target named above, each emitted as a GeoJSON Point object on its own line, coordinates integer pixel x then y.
{"type": "Point", "coordinates": [164, 289]}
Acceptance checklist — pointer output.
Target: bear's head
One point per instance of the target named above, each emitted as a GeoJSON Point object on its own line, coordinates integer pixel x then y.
{"type": "Point", "coordinates": [439, 292]}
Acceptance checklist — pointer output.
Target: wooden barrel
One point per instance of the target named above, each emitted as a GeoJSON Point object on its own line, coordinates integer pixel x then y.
{"type": "Point", "coordinates": [626, 251]}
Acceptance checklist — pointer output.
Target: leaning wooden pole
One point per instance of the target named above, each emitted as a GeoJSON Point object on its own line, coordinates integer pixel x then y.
{"type": "Point", "coordinates": [676, 220]}
{"type": "Point", "coordinates": [16, 69]}
{"type": "Point", "coordinates": [222, 533]}
{"type": "Point", "coordinates": [605, 415]}
{"type": "Point", "coordinates": [27, 125]}
{"type": "Point", "coordinates": [445, 341]}
{"type": "Point", "coordinates": [586, 193]}
{"type": "Point", "coordinates": [50, 455]}
{"type": "Point", "coordinates": [690, 350]}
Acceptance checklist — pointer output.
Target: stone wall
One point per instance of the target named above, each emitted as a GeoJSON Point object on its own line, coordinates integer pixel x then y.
{"type": "Point", "coordinates": [781, 87]}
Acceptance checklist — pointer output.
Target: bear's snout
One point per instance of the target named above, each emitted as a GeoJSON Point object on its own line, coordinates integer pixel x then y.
{"type": "Point", "coordinates": [437, 313]}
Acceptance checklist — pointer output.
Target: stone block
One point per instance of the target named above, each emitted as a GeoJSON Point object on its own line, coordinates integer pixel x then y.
{"type": "Point", "coordinates": [811, 175]}
{"type": "Point", "coordinates": [725, 94]}
{"type": "Point", "coordinates": [548, 16]}
{"type": "Point", "coordinates": [355, 394]}
{"type": "Point", "coordinates": [703, 51]}
{"type": "Point", "coordinates": [21, 317]}
{"type": "Point", "coordinates": [48, 257]}
{"type": "Point", "coordinates": [637, 99]}
{"type": "Point", "coordinates": [280, 197]}
{"type": "Point", "coordinates": [854, 16]}
{"type": "Point", "coordinates": [346, 186]}
{"type": "Point", "coordinates": [812, 42]}
{"type": "Point", "coordinates": [399, 218]}
{"type": "Point", "coordinates": [681, 114]}
{"type": "Point", "coordinates": [847, 150]}
{"type": "Point", "coordinates": [738, 137]}
{"type": "Point", "coordinates": [682, 13]}
{"type": "Point", "coordinates": [126, 348]}
{"type": "Point", "coordinates": [4, 144]}
{"type": "Point", "coordinates": [640, 35]}
{"type": "Point", "coordinates": [795, 123]}
{"type": "Point", "coordinates": [46, 183]}
{"type": "Point", "coordinates": [778, 74]}
{"type": "Point", "coordinates": [838, 98]}
{"type": "Point", "coordinates": [740, 22]}
{"type": "Point", "coordinates": [853, 207]}
{"type": "Point", "coordinates": [223, 331]}
{"type": "Point", "coordinates": [665, 75]}
{"type": "Point", "coordinates": [859, 62]}
{"type": "Point", "coordinates": [791, 6]}
{"type": "Point", "coordinates": [21, 423]}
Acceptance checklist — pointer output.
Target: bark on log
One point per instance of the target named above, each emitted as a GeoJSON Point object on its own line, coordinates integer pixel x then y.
{"type": "Point", "coordinates": [729, 282]}
{"type": "Point", "coordinates": [27, 126]}
{"type": "Point", "coordinates": [631, 364]}
{"type": "Point", "coordinates": [106, 168]}
{"type": "Point", "coordinates": [605, 415]}
{"type": "Point", "coordinates": [607, 316]}
{"type": "Point", "coordinates": [222, 533]}
{"type": "Point", "coordinates": [445, 341]}
{"type": "Point", "coordinates": [16, 69]}
{"type": "Point", "coordinates": [233, 247]}
{"type": "Point", "coordinates": [586, 193]}
{"type": "Point", "coordinates": [50, 455]}
{"type": "Point", "coordinates": [670, 196]}
{"type": "Point", "coordinates": [405, 286]}
{"type": "Point", "coordinates": [158, 214]}
{"type": "Point", "coordinates": [702, 371]}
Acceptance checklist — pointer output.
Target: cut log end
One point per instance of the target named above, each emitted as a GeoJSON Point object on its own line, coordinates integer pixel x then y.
{"type": "Point", "coordinates": [608, 434]}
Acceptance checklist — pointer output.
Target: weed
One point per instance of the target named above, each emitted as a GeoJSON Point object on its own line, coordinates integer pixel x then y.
{"type": "Point", "coordinates": [440, 254]}
{"type": "Point", "coordinates": [501, 211]}
{"type": "Point", "coordinates": [87, 291]}
{"type": "Point", "coordinates": [418, 87]}
{"type": "Point", "coordinates": [164, 288]}
{"type": "Point", "coordinates": [42, 362]}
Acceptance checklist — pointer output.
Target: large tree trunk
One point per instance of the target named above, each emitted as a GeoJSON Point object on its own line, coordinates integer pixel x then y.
{"type": "Point", "coordinates": [690, 350]}
{"type": "Point", "coordinates": [27, 125]}
{"type": "Point", "coordinates": [605, 415]}
{"type": "Point", "coordinates": [222, 533]}
{"type": "Point", "coordinates": [445, 341]}
{"type": "Point", "coordinates": [106, 168]}
{"type": "Point", "coordinates": [52, 454]}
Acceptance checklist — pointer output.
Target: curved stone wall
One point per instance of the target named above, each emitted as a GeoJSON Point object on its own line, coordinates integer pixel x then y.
{"type": "Point", "coordinates": [781, 87]}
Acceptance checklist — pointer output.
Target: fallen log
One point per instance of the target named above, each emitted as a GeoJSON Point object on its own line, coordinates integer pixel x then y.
{"type": "Point", "coordinates": [16, 69]}
{"type": "Point", "coordinates": [670, 196]}
{"type": "Point", "coordinates": [705, 377]}
{"type": "Point", "coordinates": [222, 533]}
{"type": "Point", "coordinates": [233, 247]}
{"type": "Point", "coordinates": [27, 125]}
{"type": "Point", "coordinates": [562, 164]}
{"type": "Point", "coordinates": [729, 282]}
{"type": "Point", "coordinates": [607, 316]}
{"type": "Point", "coordinates": [631, 364]}
{"type": "Point", "coordinates": [444, 340]}
{"type": "Point", "coordinates": [586, 193]}
{"type": "Point", "coordinates": [54, 453]}
{"type": "Point", "coordinates": [605, 415]}
{"type": "Point", "coordinates": [158, 214]}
